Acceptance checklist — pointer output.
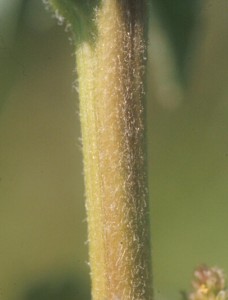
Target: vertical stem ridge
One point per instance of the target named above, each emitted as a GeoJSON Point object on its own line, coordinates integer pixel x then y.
{"type": "Point", "coordinates": [111, 73]}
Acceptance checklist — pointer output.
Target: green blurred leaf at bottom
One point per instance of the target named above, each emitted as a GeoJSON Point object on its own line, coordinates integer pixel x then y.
{"type": "Point", "coordinates": [69, 288]}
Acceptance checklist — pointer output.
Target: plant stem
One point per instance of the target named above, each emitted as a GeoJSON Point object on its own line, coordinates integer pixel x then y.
{"type": "Point", "coordinates": [111, 87]}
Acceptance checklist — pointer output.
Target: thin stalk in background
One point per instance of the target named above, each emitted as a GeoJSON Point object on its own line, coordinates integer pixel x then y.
{"type": "Point", "coordinates": [111, 70]}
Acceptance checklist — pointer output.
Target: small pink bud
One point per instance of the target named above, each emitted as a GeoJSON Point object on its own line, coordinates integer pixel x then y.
{"type": "Point", "coordinates": [208, 284]}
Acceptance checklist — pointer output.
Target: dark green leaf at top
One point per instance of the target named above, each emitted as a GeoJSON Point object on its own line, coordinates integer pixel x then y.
{"type": "Point", "coordinates": [179, 17]}
{"type": "Point", "coordinates": [79, 14]}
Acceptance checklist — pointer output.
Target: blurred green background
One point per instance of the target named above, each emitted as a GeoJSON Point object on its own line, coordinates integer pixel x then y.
{"type": "Point", "coordinates": [43, 251]}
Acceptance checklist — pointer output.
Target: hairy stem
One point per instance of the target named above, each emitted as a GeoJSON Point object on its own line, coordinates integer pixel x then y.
{"type": "Point", "coordinates": [111, 87]}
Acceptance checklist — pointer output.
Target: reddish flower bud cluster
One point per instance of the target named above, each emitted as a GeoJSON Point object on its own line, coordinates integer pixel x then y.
{"type": "Point", "coordinates": [208, 284]}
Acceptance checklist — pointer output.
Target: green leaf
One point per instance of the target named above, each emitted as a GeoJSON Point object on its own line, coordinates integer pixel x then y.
{"type": "Point", "coordinates": [79, 15]}
{"type": "Point", "coordinates": [179, 18]}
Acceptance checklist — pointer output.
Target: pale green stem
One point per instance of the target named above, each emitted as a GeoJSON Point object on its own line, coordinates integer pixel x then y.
{"type": "Point", "coordinates": [111, 87]}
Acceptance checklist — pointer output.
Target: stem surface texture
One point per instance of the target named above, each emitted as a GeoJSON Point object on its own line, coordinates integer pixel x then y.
{"type": "Point", "coordinates": [111, 72]}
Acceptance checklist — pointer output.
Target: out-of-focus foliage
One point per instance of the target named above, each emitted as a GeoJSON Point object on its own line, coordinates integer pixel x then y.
{"type": "Point", "coordinates": [68, 288]}
{"type": "Point", "coordinates": [179, 18]}
{"type": "Point", "coordinates": [9, 11]}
